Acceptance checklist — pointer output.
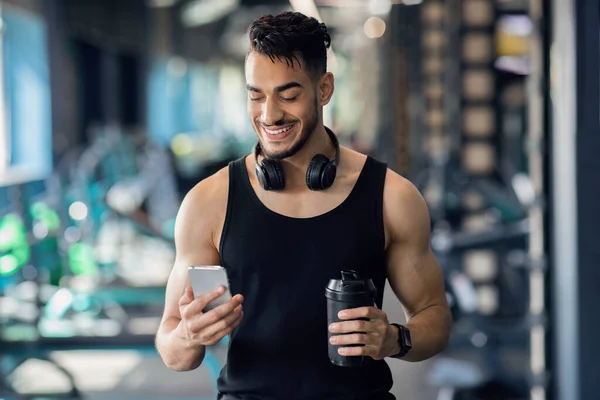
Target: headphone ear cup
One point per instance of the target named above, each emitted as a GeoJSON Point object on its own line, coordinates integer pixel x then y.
{"type": "Point", "coordinates": [262, 177]}
{"type": "Point", "coordinates": [328, 175]}
{"type": "Point", "coordinates": [274, 172]}
{"type": "Point", "coordinates": [314, 172]}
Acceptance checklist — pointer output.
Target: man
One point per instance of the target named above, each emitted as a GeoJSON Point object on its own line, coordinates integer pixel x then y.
{"type": "Point", "coordinates": [283, 222]}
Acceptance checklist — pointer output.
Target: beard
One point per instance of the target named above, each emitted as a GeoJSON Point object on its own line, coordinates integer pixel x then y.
{"type": "Point", "coordinates": [303, 136]}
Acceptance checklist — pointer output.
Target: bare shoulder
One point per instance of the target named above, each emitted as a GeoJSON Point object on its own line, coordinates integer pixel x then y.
{"type": "Point", "coordinates": [351, 161]}
{"type": "Point", "coordinates": [203, 208]}
{"type": "Point", "coordinates": [405, 211]}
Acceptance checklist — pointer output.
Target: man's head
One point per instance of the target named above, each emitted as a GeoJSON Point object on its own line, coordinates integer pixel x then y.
{"type": "Point", "coordinates": [287, 79]}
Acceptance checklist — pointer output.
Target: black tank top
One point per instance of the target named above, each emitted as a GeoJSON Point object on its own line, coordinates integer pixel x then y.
{"type": "Point", "coordinates": [282, 265]}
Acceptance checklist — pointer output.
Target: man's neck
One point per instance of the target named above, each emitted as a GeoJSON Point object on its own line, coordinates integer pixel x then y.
{"type": "Point", "coordinates": [295, 167]}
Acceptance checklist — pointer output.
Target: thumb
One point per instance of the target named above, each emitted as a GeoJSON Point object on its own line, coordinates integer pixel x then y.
{"type": "Point", "coordinates": [187, 297]}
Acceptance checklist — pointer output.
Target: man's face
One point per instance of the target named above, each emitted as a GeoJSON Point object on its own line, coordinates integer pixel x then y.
{"type": "Point", "coordinates": [282, 104]}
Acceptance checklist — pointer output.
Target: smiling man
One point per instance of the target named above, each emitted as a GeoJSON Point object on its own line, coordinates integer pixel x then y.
{"type": "Point", "coordinates": [285, 220]}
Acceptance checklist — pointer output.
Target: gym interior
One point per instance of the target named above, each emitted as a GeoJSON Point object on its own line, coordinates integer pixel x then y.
{"type": "Point", "coordinates": [112, 110]}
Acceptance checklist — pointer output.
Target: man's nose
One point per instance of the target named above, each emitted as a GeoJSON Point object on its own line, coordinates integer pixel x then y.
{"type": "Point", "coordinates": [271, 113]}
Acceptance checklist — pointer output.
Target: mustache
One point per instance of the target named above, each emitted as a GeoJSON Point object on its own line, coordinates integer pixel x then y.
{"type": "Point", "coordinates": [278, 123]}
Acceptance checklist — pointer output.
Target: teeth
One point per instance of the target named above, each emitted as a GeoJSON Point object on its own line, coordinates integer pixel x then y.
{"type": "Point", "coordinates": [279, 131]}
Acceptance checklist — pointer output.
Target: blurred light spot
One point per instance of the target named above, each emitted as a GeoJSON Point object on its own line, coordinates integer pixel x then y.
{"type": "Point", "coordinates": [479, 339]}
{"type": "Point", "coordinates": [8, 306]}
{"type": "Point", "coordinates": [40, 230]}
{"type": "Point", "coordinates": [12, 232]}
{"type": "Point", "coordinates": [25, 291]}
{"type": "Point", "coordinates": [143, 325]}
{"type": "Point", "coordinates": [306, 7]}
{"type": "Point", "coordinates": [374, 27]}
{"type": "Point", "coordinates": [177, 67]}
{"type": "Point", "coordinates": [380, 7]}
{"type": "Point", "coordinates": [524, 190]}
{"type": "Point", "coordinates": [200, 12]}
{"type": "Point", "coordinates": [37, 376]}
{"type": "Point", "coordinates": [161, 3]}
{"type": "Point", "coordinates": [487, 298]}
{"type": "Point", "coordinates": [412, 2]}
{"type": "Point", "coordinates": [29, 272]}
{"type": "Point", "coordinates": [37, 209]}
{"type": "Point", "coordinates": [28, 312]}
{"type": "Point", "coordinates": [59, 304]}
{"type": "Point", "coordinates": [480, 265]}
{"type": "Point", "coordinates": [72, 234]}
{"type": "Point", "coordinates": [78, 211]}
{"type": "Point", "coordinates": [98, 371]}
{"type": "Point", "coordinates": [81, 302]}
{"type": "Point", "coordinates": [516, 65]}
{"type": "Point", "coordinates": [517, 25]}
{"type": "Point", "coordinates": [8, 264]}
{"type": "Point", "coordinates": [82, 260]}
{"type": "Point", "coordinates": [107, 328]}
{"type": "Point", "coordinates": [45, 215]}
{"type": "Point", "coordinates": [5, 238]}
{"type": "Point", "coordinates": [56, 328]}
{"type": "Point", "coordinates": [182, 144]}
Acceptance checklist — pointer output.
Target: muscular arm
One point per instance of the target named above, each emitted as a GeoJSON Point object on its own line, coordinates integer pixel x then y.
{"type": "Point", "coordinates": [195, 231]}
{"type": "Point", "coordinates": [413, 271]}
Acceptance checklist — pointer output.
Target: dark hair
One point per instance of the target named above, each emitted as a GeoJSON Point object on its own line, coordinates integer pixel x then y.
{"type": "Point", "coordinates": [289, 34]}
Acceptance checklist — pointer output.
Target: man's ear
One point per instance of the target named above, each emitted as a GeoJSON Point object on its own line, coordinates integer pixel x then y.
{"type": "Point", "coordinates": [325, 88]}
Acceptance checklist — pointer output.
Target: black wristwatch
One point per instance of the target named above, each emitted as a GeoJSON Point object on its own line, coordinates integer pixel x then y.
{"type": "Point", "coordinates": [404, 341]}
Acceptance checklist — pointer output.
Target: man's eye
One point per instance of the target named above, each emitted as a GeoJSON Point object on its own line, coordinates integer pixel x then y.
{"type": "Point", "coordinates": [255, 98]}
{"type": "Point", "coordinates": [289, 98]}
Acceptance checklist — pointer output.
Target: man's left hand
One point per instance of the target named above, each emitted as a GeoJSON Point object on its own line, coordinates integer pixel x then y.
{"type": "Point", "coordinates": [378, 338]}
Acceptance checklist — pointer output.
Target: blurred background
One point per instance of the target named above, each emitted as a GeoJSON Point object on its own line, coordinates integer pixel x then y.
{"type": "Point", "coordinates": [111, 110]}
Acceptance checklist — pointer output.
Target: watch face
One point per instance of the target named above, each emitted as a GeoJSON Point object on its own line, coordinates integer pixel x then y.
{"type": "Point", "coordinates": [406, 334]}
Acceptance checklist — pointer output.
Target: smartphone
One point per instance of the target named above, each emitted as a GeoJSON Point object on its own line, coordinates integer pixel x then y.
{"type": "Point", "coordinates": [206, 278]}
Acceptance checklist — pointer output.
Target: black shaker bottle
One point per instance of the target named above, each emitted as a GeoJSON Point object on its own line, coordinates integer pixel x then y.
{"type": "Point", "coordinates": [349, 292]}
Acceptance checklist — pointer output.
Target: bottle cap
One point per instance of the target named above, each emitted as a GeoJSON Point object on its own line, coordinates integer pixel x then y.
{"type": "Point", "coordinates": [351, 287]}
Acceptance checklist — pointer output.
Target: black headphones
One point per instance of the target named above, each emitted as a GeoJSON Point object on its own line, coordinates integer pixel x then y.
{"type": "Point", "coordinates": [320, 174]}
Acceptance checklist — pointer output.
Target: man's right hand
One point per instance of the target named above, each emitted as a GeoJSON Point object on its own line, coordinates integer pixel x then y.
{"type": "Point", "coordinates": [207, 329]}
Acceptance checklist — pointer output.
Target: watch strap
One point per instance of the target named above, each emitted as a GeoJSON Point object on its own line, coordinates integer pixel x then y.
{"type": "Point", "coordinates": [404, 346]}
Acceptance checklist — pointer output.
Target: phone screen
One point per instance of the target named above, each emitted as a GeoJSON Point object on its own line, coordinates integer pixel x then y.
{"type": "Point", "coordinates": [207, 278]}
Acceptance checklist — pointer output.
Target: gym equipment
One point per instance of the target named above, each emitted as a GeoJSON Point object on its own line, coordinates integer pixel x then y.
{"type": "Point", "coordinates": [482, 197]}
{"type": "Point", "coordinates": [14, 247]}
{"type": "Point", "coordinates": [71, 274]}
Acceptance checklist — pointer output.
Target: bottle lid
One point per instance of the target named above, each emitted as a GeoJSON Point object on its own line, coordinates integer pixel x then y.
{"type": "Point", "coordinates": [350, 287]}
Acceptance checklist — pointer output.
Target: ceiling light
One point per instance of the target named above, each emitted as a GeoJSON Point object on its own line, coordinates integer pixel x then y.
{"type": "Point", "coordinates": [380, 7]}
{"type": "Point", "coordinates": [201, 12]}
{"type": "Point", "coordinates": [161, 3]}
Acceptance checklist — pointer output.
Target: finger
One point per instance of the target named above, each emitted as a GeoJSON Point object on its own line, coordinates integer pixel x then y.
{"type": "Point", "coordinates": [216, 338]}
{"type": "Point", "coordinates": [360, 312]}
{"type": "Point", "coordinates": [202, 300]}
{"type": "Point", "coordinates": [352, 326]}
{"type": "Point", "coordinates": [222, 311]}
{"type": "Point", "coordinates": [355, 338]}
{"type": "Point", "coordinates": [187, 297]}
{"type": "Point", "coordinates": [222, 324]}
{"type": "Point", "coordinates": [357, 351]}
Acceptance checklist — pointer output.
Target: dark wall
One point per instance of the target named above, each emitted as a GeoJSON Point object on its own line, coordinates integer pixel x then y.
{"type": "Point", "coordinates": [98, 52]}
{"type": "Point", "coordinates": [588, 193]}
